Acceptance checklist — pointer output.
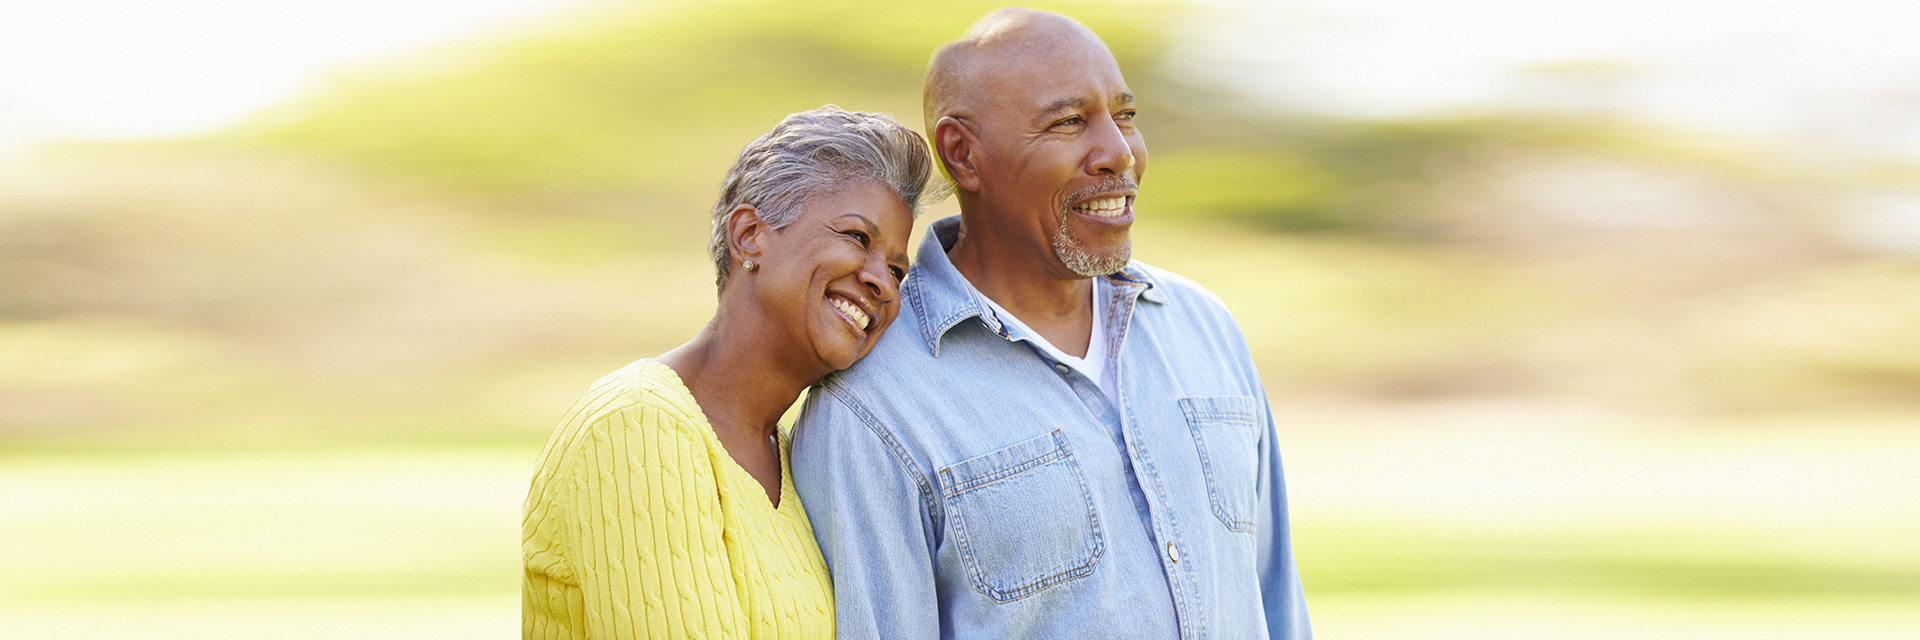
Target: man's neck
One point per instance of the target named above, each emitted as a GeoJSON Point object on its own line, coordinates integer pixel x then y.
{"type": "Point", "coordinates": [1043, 294]}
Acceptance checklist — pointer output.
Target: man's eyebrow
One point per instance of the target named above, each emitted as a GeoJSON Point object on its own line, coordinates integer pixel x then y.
{"type": "Point", "coordinates": [1076, 104]}
{"type": "Point", "coordinates": [1063, 104]}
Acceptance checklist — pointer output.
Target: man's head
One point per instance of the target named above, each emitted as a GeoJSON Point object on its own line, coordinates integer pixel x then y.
{"type": "Point", "coordinates": [1030, 117]}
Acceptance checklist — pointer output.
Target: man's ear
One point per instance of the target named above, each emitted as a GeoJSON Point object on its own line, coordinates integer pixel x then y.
{"type": "Point", "coordinates": [956, 145]}
{"type": "Point", "coordinates": [744, 230]}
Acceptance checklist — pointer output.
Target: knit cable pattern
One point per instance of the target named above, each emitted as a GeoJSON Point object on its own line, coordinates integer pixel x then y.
{"type": "Point", "coordinates": [639, 525]}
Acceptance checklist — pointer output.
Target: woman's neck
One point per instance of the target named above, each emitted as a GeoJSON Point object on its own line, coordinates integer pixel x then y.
{"type": "Point", "coordinates": [741, 384]}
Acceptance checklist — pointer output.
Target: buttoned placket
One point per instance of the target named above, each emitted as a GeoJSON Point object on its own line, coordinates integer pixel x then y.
{"type": "Point", "coordinates": [1165, 528]}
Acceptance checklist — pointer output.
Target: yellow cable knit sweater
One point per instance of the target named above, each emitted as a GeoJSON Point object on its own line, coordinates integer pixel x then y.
{"type": "Point", "coordinates": [639, 525]}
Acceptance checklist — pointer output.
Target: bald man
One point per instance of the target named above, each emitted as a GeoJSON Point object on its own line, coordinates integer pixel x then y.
{"type": "Point", "coordinates": [1054, 440]}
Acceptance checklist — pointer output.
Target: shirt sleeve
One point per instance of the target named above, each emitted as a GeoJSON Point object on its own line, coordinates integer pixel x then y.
{"type": "Point", "coordinates": [1284, 600]}
{"type": "Point", "coordinates": [647, 545]}
{"type": "Point", "coordinates": [868, 505]}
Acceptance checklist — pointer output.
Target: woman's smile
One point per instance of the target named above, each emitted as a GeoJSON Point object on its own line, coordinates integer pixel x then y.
{"type": "Point", "coordinates": [850, 311]}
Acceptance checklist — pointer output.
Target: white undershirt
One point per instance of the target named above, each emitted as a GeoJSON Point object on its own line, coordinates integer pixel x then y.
{"type": "Point", "coordinates": [1094, 366]}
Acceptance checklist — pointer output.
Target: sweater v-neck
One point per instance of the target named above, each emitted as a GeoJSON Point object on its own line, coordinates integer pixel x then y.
{"type": "Point", "coordinates": [737, 476]}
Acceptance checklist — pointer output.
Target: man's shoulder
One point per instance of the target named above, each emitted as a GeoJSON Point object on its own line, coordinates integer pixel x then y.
{"type": "Point", "coordinates": [1186, 317]}
{"type": "Point", "coordinates": [1180, 290]}
{"type": "Point", "coordinates": [860, 412]}
{"type": "Point", "coordinates": [901, 349]}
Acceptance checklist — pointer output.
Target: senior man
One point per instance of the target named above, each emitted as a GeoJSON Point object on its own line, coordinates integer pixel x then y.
{"type": "Point", "coordinates": [1054, 441]}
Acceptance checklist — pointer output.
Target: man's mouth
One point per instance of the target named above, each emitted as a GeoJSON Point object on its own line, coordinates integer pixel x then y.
{"type": "Point", "coordinates": [852, 312]}
{"type": "Point", "coordinates": [1109, 207]}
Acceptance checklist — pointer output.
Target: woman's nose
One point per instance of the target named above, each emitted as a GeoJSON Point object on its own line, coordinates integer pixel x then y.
{"type": "Point", "coordinates": [878, 277]}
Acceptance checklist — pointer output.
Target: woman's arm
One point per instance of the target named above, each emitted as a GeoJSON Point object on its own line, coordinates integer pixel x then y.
{"type": "Point", "coordinates": [647, 543]}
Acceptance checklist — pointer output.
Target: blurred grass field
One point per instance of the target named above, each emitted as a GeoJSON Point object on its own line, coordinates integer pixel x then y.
{"type": "Point", "coordinates": [1534, 377]}
{"type": "Point", "coordinates": [1484, 520]}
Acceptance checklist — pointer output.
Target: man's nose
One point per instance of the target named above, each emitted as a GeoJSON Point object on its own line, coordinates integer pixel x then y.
{"type": "Point", "coordinates": [1111, 154]}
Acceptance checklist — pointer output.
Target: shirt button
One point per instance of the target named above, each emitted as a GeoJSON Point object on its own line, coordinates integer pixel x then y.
{"type": "Point", "coordinates": [1061, 368]}
{"type": "Point", "coordinates": [1173, 553]}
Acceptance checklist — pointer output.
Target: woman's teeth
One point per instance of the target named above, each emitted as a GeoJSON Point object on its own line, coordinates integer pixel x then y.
{"type": "Point", "coordinates": [852, 311]}
{"type": "Point", "coordinates": [1105, 207]}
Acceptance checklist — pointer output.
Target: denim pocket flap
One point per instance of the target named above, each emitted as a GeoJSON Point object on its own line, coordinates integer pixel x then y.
{"type": "Point", "coordinates": [1244, 409]}
{"type": "Point", "coordinates": [1226, 433]}
{"type": "Point", "coordinates": [1022, 517]}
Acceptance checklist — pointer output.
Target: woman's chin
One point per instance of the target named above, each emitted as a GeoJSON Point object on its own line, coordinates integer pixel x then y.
{"type": "Point", "coordinates": [841, 357]}
{"type": "Point", "coordinates": [837, 357]}
{"type": "Point", "coordinates": [840, 348]}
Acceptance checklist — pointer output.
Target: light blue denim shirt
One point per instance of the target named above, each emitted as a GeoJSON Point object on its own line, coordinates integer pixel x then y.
{"type": "Point", "coordinates": [963, 485]}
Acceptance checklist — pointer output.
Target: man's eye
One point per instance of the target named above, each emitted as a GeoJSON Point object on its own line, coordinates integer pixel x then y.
{"type": "Point", "coordinates": [1127, 115]}
{"type": "Point", "coordinates": [1069, 122]}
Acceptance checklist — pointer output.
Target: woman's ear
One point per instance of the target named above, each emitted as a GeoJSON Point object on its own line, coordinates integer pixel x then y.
{"type": "Point", "coordinates": [955, 144]}
{"type": "Point", "coordinates": [744, 231]}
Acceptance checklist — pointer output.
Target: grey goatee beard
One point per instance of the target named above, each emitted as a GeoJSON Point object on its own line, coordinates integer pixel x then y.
{"type": "Point", "coordinates": [1086, 263]}
{"type": "Point", "coordinates": [1075, 255]}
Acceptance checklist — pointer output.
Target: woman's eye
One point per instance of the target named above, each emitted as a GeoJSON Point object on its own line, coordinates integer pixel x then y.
{"type": "Point", "coordinates": [899, 275]}
{"type": "Point", "coordinates": [858, 236]}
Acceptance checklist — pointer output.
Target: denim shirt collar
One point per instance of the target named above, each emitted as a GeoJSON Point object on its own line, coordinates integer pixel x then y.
{"type": "Point", "coordinates": [942, 298]}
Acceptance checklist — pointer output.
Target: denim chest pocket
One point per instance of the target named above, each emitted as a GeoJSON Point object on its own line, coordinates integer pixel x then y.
{"type": "Point", "coordinates": [1022, 517]}
{"type": "Point", "coordinates": [1226, 431]}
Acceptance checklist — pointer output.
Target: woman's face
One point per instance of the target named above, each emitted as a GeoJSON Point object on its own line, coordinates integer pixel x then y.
{"type": "Point", "coordinates": [832, 276]}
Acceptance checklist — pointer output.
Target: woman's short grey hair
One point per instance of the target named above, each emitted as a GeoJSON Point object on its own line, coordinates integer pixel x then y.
{"type": "Point", "coordinates": [815, 153]}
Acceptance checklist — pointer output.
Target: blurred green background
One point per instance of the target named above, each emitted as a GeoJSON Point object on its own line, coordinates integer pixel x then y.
{"type": "Point", "coordinates": [1538, 373]}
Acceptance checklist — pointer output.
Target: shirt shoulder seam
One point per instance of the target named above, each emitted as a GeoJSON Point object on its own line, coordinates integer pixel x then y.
{"type": "Point", "coordinates": [894, 449]}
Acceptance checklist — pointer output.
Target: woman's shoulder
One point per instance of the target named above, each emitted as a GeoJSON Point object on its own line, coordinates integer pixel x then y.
{"type": "Point", "coordinates": [647, 384]}
{"type": "Point", "coordinates": [643, 392]}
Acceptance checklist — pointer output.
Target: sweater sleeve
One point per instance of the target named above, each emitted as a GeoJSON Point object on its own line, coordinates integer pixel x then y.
{"type": "Point", "coordinates": [647, 544]}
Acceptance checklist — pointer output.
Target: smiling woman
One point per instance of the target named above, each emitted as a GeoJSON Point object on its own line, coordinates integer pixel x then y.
{"type": "Point", "coordinates": [662, 506]}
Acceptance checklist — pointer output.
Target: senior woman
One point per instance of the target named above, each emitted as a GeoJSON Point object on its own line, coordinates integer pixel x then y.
{"type": "Point", "coordinates": [662, 507]}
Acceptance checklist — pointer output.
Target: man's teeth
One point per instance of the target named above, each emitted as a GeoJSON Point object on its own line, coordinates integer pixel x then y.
{"type": "Point", "coordinates": [852, 311]}
{"type": "Point", "coordinates": [1105, 207]}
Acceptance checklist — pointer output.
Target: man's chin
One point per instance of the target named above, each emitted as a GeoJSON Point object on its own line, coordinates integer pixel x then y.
{"type": "Point", "coordinates": [1092, 265]}
{"type": "Point", "coordinates": [1112, 245]}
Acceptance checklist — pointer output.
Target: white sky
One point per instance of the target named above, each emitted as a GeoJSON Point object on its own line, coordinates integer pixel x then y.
{"type": "Point", "coordinates": [1838, 70]}
{"type": "Point", "coordinates": [105, 69]}
{"type": "Point", "coordinates": [1842, 70]}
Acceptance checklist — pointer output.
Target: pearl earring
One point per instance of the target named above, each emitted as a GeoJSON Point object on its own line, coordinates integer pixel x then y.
{"type": "Point", "coordinates": [748, 265]}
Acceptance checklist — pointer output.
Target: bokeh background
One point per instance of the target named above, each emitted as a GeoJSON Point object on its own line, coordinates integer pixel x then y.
{"type": "Point", "coordinates": [1579, 320]}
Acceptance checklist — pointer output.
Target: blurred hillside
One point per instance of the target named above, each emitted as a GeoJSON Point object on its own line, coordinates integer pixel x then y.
{"type": "Point", "coordinates": [450, 245]}
{"type": "Point", "coordinates": [1539, 373]}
